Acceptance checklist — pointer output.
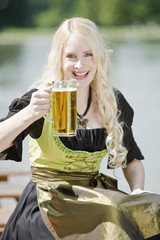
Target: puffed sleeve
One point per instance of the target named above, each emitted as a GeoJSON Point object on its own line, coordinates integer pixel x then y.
{"type": "Point", "coordinates": [126, 114]}
{"type": "Point", "coordinates": [15, 152]}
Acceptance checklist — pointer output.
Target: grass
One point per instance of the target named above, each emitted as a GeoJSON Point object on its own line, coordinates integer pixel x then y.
{"type": "Point", "coordinates": [123, 33]}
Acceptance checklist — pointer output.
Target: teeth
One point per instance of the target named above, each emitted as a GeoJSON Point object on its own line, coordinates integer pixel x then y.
{"type": "Point", "coordinates": [80, 74]}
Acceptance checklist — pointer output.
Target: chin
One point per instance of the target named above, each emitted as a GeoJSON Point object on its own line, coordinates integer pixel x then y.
{"type": "Point", "coordinates": [83, 84]}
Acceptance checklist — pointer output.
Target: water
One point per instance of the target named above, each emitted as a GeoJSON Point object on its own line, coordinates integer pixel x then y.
{"type": "Point", "coordinates": [135, 71]}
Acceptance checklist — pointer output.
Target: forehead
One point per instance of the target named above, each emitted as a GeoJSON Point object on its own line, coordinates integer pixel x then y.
{"type": "Point", "coordinates": [76, 43]}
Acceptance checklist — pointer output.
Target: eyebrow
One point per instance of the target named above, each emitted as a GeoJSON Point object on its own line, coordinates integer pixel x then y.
{"type": "Point", "coordinates": [84, 51]}
{"type": "Point", "coordinates": [87, 51]}
{"type": "Point", "coordinates": [72, 52]}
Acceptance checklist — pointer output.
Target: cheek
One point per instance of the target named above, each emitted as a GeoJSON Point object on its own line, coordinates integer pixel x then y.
{"type": "Point", "coordinates": [67, 70]}
{"type": "Point", "coordinates": [66, 67]}
{"type": "Point", "coordinates": [92, 65]}
{"type": "Point", "coordinates": [94, 68]}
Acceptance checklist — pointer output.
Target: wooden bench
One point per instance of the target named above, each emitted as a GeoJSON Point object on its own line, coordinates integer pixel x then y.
{"type": "Point", "coordinates": [5, 173]}
{"type": "Point", "coordinates": [5, 213]}
{"type": "Point", "coordinates": [11, 190]}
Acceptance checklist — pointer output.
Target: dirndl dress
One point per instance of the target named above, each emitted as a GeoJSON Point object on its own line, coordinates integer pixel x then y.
{"type": "Point", "coordinates": [79, 205]}
{"type": "Point", "coordinates": [89, 206]}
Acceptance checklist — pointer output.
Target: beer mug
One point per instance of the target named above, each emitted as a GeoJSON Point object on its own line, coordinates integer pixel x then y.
{"type": "Point", "coordinates": [64, 108]}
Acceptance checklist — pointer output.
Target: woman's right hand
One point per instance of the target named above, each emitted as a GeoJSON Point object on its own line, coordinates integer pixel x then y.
{"type": "Point", "coordinates": [13, 126]}
{"type": "Point", "coordinates": [40, 103]}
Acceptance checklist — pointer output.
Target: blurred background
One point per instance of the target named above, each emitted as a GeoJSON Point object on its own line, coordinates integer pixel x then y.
{"type": "Point", "coordinates": [131, 29]}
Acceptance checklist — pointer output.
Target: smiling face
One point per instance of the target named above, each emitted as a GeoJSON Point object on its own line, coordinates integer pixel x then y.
{"type": "Point", "coordinates": [78, 61]}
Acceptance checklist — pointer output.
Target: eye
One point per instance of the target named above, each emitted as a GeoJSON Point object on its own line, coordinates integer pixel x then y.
{"type": "Point", "coordinates": [70, 56]}
{"type": "Point", "coordinates": [89, 54]}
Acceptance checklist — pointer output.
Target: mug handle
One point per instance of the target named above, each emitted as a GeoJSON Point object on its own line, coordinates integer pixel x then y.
{"type": "Point", "coordinates": [48, 119]}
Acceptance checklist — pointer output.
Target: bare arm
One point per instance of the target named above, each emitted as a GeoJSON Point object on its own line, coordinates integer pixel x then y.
{"type": "Point", "coordinates": [135, 175]}
{"type": "Point", "coordinates": [12, 127]}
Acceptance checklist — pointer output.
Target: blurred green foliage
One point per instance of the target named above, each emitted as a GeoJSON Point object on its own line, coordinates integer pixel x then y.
{"type": "Point", "coordinates": [49, 13]}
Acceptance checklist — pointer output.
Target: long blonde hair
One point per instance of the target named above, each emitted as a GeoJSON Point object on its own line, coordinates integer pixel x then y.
{"type": "Point", "coordinates": [101, 85]}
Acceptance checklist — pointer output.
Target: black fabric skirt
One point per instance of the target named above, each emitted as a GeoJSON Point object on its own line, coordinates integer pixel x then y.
{"type": "Point", "coordinates": [26, 222]}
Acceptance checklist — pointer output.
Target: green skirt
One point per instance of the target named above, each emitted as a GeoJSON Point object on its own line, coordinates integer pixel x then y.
{"type": "Point", "coordinates": [88, 206]}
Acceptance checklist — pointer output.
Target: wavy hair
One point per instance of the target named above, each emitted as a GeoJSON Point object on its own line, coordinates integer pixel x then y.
{"type": "Point", "coordinates": [101, 84]}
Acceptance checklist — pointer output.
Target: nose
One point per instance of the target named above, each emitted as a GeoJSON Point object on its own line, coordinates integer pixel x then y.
{"type": "Point", "coordinates": [78, 64]}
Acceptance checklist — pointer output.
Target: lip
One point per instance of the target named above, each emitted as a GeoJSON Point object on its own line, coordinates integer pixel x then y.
{"type": "Point", "coordinates": [80, 75]}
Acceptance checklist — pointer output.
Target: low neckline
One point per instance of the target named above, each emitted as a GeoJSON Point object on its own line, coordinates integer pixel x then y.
{"type": "Point", "coordinates": [86, 140]}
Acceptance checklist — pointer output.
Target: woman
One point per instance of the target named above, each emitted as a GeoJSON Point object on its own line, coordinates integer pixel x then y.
{"type": "Point", "coordinates": [67, 197]}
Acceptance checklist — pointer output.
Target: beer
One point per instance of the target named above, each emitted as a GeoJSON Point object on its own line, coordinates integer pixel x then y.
{"type": "Point", "coordinates": [64, 108]}
{"type": "Point", "coordinates": [64, 111]}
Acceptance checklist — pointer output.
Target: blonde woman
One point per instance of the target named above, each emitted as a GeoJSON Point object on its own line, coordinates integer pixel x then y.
{"type": "Point", "coordinates": [67, 197]}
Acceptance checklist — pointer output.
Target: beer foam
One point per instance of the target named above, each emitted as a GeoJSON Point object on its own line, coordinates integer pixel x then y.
{"type": "Point", "coordinates": [71, 89]}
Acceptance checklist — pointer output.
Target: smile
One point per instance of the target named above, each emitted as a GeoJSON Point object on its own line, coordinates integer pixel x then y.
{"type": "Point", "coordinates": [78, 74]}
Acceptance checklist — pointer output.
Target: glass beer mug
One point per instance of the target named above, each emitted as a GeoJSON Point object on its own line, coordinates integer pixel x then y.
{"type": "Point", "coordinates": [64, 108]}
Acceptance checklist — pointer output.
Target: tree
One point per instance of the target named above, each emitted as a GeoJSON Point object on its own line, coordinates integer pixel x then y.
{"type": "Point", "coordinates": [144, 11]}
{"type": "Point", "coordinates": [55, 13]}
{"type": "Point", "coordinates": [49, 13]}
{"type": "Point", "coordinates": [12, 13]}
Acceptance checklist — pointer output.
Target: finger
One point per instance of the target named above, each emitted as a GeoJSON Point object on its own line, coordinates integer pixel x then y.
{"type": "Point", "coordinates": [48, 89]}
{"type": "Point", "coordinates": [45, 92]}
{"type": "Point", "coordinates": [45, 107]}
{"type": "Point", "coordinates": [41, 94]}
{"type": "Point", "coordinates": [136, 191]}
{"type": "Point", "coordinates": [40, 101]}
{"type": "Point", "coordinates": [42, 107]}
{"type": "Point", "coordinates": [40, 98]}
